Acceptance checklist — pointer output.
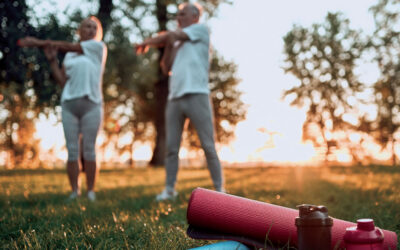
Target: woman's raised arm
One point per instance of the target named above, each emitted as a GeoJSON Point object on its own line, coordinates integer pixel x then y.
{"type": "Point", "coordinates": [64, 46]}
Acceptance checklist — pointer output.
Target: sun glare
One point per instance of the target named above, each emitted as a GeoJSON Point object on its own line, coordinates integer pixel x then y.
{"type": "Point", "coordinates": [142, 152]}
{"type": "Point", "coordinates": [261, 145]}
{"type": "Point", "coordinates": [252, 145]}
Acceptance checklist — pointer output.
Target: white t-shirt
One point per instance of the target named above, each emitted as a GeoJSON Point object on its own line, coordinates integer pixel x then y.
{"type": "Point", "coordinates": [85, 72]}
{"type": "Point", "coordinates": [189, 73]}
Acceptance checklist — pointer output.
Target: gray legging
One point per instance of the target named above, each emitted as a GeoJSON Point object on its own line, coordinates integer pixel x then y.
{"type": "Point", "coordinates": [81, 116]}
{"type": "Point", "coordinates": [197, 108]}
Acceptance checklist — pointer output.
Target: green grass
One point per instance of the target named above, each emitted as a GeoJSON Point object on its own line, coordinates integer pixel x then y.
{"type": "Point", "coordinates": [34, 213]}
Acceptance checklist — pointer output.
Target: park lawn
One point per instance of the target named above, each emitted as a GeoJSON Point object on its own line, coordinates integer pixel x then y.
{"type": "Point", "coordinates": [34, 213]}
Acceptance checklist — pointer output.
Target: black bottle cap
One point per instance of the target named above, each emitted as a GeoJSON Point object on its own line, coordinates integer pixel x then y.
{"type": "Point", "coordinates": [312, 215]}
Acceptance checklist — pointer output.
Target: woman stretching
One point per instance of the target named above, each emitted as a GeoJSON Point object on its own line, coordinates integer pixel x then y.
{"type": "Point", "coordinates": [81, 77]}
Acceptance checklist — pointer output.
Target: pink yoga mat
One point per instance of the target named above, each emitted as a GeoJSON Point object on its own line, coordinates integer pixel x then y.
{"type": "Point", "coordinates": [215, 215]}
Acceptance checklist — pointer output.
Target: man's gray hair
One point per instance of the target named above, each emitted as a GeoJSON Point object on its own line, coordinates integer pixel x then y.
{"type": "Point", "coordinates": [195, 8]}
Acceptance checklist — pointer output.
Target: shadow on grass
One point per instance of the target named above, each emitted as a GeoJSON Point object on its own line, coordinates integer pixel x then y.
{"type": "Point", "coordinates": [31, 172]}
{"type": "Point", "coordinates": [381, 169]}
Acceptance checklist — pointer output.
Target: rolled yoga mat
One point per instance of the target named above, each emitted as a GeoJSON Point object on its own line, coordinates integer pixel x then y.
{"type": "Point", "coordinates": [213, 215]}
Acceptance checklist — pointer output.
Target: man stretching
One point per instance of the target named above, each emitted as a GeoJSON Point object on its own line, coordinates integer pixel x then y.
{"type": "Point", "coordinates": [186, 61]}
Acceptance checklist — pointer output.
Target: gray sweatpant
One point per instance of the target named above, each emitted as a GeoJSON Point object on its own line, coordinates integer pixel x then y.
{"type": "Point", "coordinates": [197, 108]}
{"type": "Point", "coordinates": [81, 116]}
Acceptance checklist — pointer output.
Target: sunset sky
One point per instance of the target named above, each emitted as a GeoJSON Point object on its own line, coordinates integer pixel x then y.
{"type": "Point", "coordinates": [250, 33]}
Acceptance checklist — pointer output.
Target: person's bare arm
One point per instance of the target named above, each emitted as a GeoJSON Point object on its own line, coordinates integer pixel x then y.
{"type": "Point", "coordinates": [163, 39]}
{"type": "Point", "coordinates": [168, 57]}
{"type": "Point", "coordinates": [67, 46]}
{"type": "Point", "coordinates": [167, 40]}
{"type": "Point", "coordinates": [30, 41]}
{"type": "Point", "coordinates": [58, 73]}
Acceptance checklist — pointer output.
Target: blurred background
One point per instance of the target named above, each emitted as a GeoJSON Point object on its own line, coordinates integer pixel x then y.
{"type": "Point", "coordinates": [293, 83]}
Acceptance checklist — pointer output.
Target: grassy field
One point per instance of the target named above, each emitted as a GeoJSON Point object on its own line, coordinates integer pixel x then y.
{"type": "Point", "coordinates": [34, 213]}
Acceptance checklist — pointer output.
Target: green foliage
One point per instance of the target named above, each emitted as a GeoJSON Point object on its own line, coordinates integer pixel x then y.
{"type": "Point", "coordinates": [128, 92]}
{"type": "Point", "coordinates": [27, 65]}
{"type": "Point", "coordinates": [25, 87]}
{"type": "Point", "coordinates": [385, 42]}
{"type": "Point", "coordinates": [128, 83]}
{"type": "Point", "coordinates": [225, 98]}
{"type": "Point", "coordinates": [323, 59]}
{"type": "Point", "coordinates": [35, 215]}
{"type": "Point", "coordinates": [14, 24]}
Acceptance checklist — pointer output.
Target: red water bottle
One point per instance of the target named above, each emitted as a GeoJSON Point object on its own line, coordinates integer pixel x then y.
{"type": "Point", "coordinates": [365, 236]}
{"type": "Point", "coordinates": [313, 228]}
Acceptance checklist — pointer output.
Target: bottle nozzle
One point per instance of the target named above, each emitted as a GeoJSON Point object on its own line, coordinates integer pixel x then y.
{"type": "Point", "coordinates": [365, 224]}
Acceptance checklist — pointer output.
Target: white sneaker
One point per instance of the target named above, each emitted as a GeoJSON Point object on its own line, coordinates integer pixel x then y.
{"type": "Point", "coordinates": [91, 195]}
{"type": "Point", "coordinates": [73, 196]}
{"type": "Point", "coordinates": [221, 190]}
{"type": "Point", "coordinates": [166, 195]}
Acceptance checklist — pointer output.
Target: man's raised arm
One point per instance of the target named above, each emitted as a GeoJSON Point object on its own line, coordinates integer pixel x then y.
{"type": "Point", "coordinates": [167, 40]}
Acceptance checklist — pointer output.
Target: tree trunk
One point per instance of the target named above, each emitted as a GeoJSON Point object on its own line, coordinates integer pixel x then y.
{"type": "Point", "coordinates": [160, 95]}
{"type": "Point", "coordinates": [104, 13]}
{"type": "Point", "coordinates": [392, 128]}
{"type": "Point", "coordinates": [131, 160]}
{"type": "Point", "coordinates": [393, 152]}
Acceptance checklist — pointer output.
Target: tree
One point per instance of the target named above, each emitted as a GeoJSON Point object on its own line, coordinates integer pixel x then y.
{"type": "Point", "coordinates": [160, 92]}
{"type": "Point", "coordinates": [386, 44]}
{"type": "Point", "coordinates": [24, 83]}
{"type": "Point", "coordinates": [323, 59]}
{"type": "Point", "coordinates": [127, 92]}
{"type": "Point", "coordinates": [104, 13]}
